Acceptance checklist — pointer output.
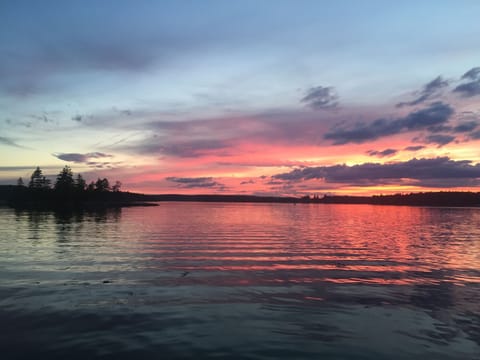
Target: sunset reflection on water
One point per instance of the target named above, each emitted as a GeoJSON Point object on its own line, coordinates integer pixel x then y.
{"type": "Point", "coordinates": [307, 280]}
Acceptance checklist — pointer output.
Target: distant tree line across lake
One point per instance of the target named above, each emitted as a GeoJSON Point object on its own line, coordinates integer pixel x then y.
{"type": "Point", "coordinates": [434, 198]}
{"type": "Point", "coordinates": [72, 192]}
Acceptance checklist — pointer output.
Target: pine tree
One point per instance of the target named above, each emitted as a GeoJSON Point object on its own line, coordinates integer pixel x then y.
{"type": "Point", "coordinates": [20, 182]}
{"type": "Point", "coordinates": [80, 183]}
{"type": "Point", "coordinates": [65, 180]}
{"type": "Point", "coordinates": [102, 185]}
{"type": "Point", "coordinates": [91, 186]}
{"type": "Point", "coordinates": [117, 186]}
{"type": "Point", "coordinates": [38, 181]}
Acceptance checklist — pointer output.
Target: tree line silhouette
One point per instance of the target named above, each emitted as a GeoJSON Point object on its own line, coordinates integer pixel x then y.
{"type": "Point", "coordinates": [434, 198]}
{"type": "Point", "coordinates": [68, 191]}
{"type": "Point", "coordinates": [66, 182]}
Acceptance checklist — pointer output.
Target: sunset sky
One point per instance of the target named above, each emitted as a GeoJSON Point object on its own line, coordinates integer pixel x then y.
{"type": "Point", "coordinates": [243, 97]}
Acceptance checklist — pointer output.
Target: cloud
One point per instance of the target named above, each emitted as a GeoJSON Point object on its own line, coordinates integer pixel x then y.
{"type": "Point", "coordinates": [45, 117]}
{"type": "Point", "coordinates": [465, 127]}
{"type": "Point", "coordinates": [321, 98]}
{"type": "Point", "coordinates": [438, 113]}
{"type": "Point", "coordinates": [225, 134]}
{"type": "Point", "coordinates": [469, 89]}
{"type": "Point", "coordinates": [9, 142]}
{"type": "Point", "coordinates": [475, 135]}
{"type": "Point", "coordinates": [39, 44]}
{"type": "Point", "coordinates": [428, 92]}
{"type": "Point", "coordinates": [24, 168]}
{"type": "Point", "coordinates": [439, 139]}
{"type": "Point", "coordinates": [81, 158]}
{"type": "Point", "coordinates": [383, 153]}
{"type": "Point", "coordinates": [472, 74]}
{"type": "Point", "coordinates": [472, 85]}
{"type": "Point", "coordinates": [433, 171]}
{"type": "Point", "coordinates": [177, 148]}
{"type": "Point", "coordinates": [414, 148]}
{"type": "Point", "coordinates": [275, 182]}
{"type": "Point", "coordinates": [196, 182]}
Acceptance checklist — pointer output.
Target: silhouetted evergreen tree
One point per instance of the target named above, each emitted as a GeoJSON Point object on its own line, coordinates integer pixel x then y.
{"type": "Point", "coordinates": [38, 181]}
{"type": "Point", "coordinates": [91, 186]}
{"type": "Point", "coordinates": [80, 183]}
{"type": "Point", "coordinates": [65, 182]}
{"type": "Point", "coordinates": [117, 186]}
{"type": "Point", "coordinates": [102, 185]}
{"type": "Point", "coordinates": [20, 182]}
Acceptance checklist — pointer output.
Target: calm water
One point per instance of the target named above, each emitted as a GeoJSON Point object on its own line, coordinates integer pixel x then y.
{"type": "Point", "coordinates": [241, 281]}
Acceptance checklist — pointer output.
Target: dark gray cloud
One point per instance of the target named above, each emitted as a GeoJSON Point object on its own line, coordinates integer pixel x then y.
{"type": "Point", "coordinates": [472, 74]}
{"type": "Point", "coordinates": [414, 148]}
{"type": "Point", "coordinates": [435, 170]}
{"type": "Point", "coordinates": [439, 139]}
{"type": "Point", "coordinates": [475, 135]}
{"type": "Point", "coordinates": [77, 118]}
{"type": "Point", "coordinates": [465, 127]}
{"type": "Point", "coordinates": [189, 180]}
{"type": "Point", "coordinates": [383, 153]}
{"type": "Point", "coordinates": [437, 114]}
{"type": "Point", "coordinates": [471, 84]}
{"type": "Point", "coordinates": [321, 98]}
{"type": "Point", "coordinates": [81, 158]}
{"type": "Point", "coordinates": [195, 182]}
{"type": "Point", "coordinates": [469, 89]}
{"type": "Point", "coordinates": [428, 92]}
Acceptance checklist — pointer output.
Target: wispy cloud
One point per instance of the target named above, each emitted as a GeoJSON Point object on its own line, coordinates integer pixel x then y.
{"type": "Point", "coordinates": [439, 139]}
{"type": "Point", "coordinates": [195, 182]}
{"type": "Point", "coordinates": [414, 148]}
{"type": "Point", "coordinates": [320, 98]}
{"type": "Point", "coordinates": [465, 127]}
{"type": "Point", "coordinates": [383, 153]}
{"type": "Point", "coordinates": [436, 114]}
{"type": "Point", "coordinates": [471, 83]}
{"type": "Point", "coordinates": [81, 158]}
{"type": "Point", "coordinates": [428, 92]}
{"type": "Point", "coordinates": [10, 142]}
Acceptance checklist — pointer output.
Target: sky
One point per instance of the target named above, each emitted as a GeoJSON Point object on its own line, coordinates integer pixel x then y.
{"type": "Point", "coordinates": [266, 97]}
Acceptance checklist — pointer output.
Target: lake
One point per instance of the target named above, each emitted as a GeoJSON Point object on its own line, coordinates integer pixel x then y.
{"type": "Point", "coordinates": [241, 281]}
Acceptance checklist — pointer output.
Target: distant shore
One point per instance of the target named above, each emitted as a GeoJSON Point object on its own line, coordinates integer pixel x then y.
{"type": "Point", "coordinates": [46, 199]}
{"type": "Point", "coordinates": [443, 198]}
{"type": "Point", "coordinates": [18, 197]}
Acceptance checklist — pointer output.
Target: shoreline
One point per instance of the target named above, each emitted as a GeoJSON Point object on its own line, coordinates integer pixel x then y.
{"type": "Point", "coordinates": [23, 197]}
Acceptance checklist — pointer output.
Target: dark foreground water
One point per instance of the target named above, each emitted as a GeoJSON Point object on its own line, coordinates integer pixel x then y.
{"type": "Point", "coordinates": [241, 281]}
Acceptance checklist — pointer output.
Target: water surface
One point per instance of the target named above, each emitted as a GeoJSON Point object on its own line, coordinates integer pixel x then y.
{"type": "Point", "coordinates": [241, 281]}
